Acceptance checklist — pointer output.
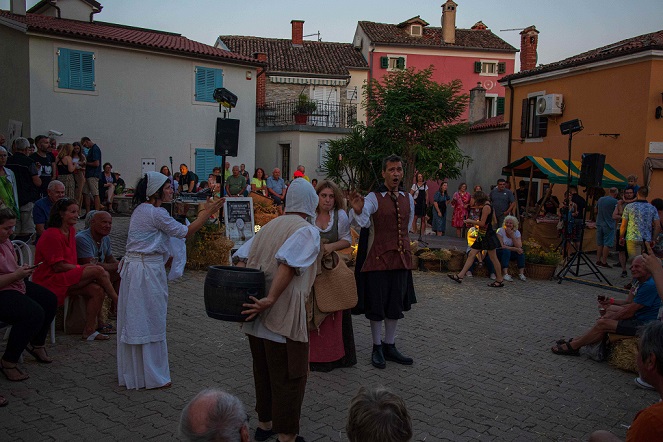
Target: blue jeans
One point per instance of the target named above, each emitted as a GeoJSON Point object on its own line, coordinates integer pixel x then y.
{"type": "Point", "coordinates": [505, 256]}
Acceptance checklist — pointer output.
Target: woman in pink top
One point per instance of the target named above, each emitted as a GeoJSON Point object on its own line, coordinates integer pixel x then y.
{"type": "Point", "coordinates": [28, 307]}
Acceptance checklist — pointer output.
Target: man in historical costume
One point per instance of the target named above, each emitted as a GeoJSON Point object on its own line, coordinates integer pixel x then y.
{"type": "Point", "coordinates": [385, 279]}
{"type": "Point", "coordinates": [286, 249]}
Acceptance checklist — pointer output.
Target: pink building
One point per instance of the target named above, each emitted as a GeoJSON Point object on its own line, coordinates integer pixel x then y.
{"type": "Point", "coordinates": [473, 55]}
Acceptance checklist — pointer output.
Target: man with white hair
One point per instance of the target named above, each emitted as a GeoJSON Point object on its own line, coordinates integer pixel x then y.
{"type": "Point", "coordinates": [42, 208]}
{"type": "Point", "coordinates": [286, 249]}
{"type": "Point", "coordinates": [214, 415]}
{"type": "Point", "coordinates": [27, 182]}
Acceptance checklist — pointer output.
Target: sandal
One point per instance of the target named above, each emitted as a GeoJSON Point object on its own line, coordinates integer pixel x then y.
{"type": "Point", "coordinates": [107, 329]}
{"type": "Point", "coordinates": [496, 284]}
{"type": "Point", "coordinates": [40, 357]}
{"type": "Point", "coordinates": [96, 336]}
{"type": "Point", "coordinates": [565, 349]}
{"type": "Point", "coordinates": [455, 277]}
{"type": "Point", "coordinates": [563, 341]}
{"type": "Point", "coordinates": [22, 376]}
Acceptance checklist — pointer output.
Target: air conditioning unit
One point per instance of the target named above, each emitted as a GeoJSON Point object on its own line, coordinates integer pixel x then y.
{"type": "Point", "coordinates": [550, 104]}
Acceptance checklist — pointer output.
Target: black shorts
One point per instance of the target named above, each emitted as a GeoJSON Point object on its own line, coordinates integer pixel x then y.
{"type": "Point", "coordinates": [628, 327]}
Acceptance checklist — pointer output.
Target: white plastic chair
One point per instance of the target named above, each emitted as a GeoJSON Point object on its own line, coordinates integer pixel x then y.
{"type": "Point", "coordinates": [24, 256]}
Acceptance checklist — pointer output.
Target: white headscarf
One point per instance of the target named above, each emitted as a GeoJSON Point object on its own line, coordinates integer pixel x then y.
{"type": "Point", "coordinates": [301, 197]}
{"type": "Point", "coordinates": [154, 182]}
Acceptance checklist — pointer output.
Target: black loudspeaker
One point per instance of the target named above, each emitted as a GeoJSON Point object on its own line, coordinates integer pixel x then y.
{"type": "Point", "coordinates": [227, 137]}
{"type": "Point", "coordinates": [591, 172]}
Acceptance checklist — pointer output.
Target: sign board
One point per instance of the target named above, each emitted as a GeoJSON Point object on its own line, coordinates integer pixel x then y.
{"type": "Point", "coordinates": [238, 217]}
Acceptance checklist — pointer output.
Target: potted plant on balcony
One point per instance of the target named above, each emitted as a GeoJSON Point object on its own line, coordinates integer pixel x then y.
{"type": "Point", "coordinates": [303, 108]}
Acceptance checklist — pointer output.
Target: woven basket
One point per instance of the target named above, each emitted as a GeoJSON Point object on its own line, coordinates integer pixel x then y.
{"type": "Point", "coordinates": [540, 271]}
{"type": "Point", "coordinates": [433, 265]}
{"type": "Point", "coordinates": [455, 264]}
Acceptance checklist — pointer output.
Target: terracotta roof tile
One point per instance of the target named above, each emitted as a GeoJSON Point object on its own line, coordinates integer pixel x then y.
{"type": "Point", "coordinates": [383, 33]}
{"type": "Point", "coordinates": [489, 123]}
{"type": "Point", "coordinates": [123, 36]}
{"type": "Point", "coordinates": [629, 46]}
{"type": "Point", "coordinates": [313, 57]}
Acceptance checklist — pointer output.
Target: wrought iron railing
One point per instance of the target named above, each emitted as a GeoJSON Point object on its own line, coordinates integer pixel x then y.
{"type": "Point", "coordinates": [326, 114]}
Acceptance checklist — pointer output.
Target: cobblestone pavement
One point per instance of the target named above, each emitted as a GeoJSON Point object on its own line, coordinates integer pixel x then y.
{"type": "Point", "coordinates": [483, 370]}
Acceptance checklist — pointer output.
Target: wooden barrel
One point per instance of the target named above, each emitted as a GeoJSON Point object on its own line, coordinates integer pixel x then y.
{"type": "Point", "coordinates": [227, 288]}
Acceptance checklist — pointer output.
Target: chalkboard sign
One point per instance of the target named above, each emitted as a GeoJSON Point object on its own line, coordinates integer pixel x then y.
{"type": "Point", "coordinates": [238, 217]}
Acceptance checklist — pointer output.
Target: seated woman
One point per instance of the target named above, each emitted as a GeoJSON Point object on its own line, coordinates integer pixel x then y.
{"type": "Point", "coordinates": [62, 274]}
{"type": "Point", "coordinates": [28, 307]}
{"type": "Point", "coordinates": [107, 184]}
{"type": "Point", "coordinates": [511, 250]}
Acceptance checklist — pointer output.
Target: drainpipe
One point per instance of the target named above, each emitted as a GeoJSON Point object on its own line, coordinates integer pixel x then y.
{"type": "Point", "coordinates": [508, 151]}
{"type": "Point", "coordinates": [52, 3]}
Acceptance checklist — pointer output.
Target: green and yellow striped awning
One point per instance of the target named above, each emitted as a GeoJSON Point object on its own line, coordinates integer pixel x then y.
{"type": "Point", "coordinates": [555, 171]}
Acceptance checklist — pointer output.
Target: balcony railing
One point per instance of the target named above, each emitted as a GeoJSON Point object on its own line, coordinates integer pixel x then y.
{"type": "Point", "coordinates": [326, 114]}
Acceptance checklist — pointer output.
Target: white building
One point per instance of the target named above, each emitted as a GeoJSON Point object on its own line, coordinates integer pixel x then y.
{"type": "Point", "coordinates": [142, 95]}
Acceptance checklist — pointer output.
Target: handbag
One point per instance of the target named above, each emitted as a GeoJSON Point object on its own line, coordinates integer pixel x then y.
{"type": "Point", "coordinates": [335, 288]}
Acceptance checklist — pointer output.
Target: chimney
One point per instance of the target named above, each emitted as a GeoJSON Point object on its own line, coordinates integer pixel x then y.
{"type": "Point", "coordinates": [297, 32]}
{"type": "Point", "coordinates": [477, 104]}
{"type": "Point", "coordinates": [261, 80]}
{"type": "Point", "coordinates": [17, 7]}
{"type": "Point", "coordinates": [449, 22]}
{"type": "Point", "coordinates": [529, 40]}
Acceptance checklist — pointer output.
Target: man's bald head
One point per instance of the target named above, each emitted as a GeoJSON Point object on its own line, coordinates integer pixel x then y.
{"type": "Point", "coordinates": [214, 415]}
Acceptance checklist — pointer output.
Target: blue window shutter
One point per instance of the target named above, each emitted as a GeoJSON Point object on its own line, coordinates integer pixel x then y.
{"type": "Point", "coordinates": [207, 79]}
{"type": "Point", "coordinates": [76, 69]}
{"type": "Point", "coordinates": [63, 68]}
{"type": "Point", "coordinates": [205, 162]}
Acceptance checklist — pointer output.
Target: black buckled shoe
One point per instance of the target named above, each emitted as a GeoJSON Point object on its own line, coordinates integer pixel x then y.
{"type": "Point", "coordinates": [262, 435]}
{"type": "Point", "coordinates": [377, 359]}
{"type": "Point", "coordinates": [391, 353]}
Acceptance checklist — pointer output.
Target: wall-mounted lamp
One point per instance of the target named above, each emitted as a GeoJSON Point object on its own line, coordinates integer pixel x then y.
{"type": "Point", "coordinates": [659, 110]}
{"type": "Point", "coordinates": [249, 75]}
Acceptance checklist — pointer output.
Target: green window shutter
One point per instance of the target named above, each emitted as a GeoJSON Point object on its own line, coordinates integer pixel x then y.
{"type": "Point", "coordinates": [207, 79]}
{"type": "Point", "coordinates": [501, 67]}
{"type": "Point", "coordinates": [477, 67]}
{"type": "Point", "coordinates": [384, 62]}
{"type": "Point", "coordinates": [500, 105]}
{"type": "Point", "coordinates": [63, 68]}
{"type": "Point", "coordinates": [400, 63]}
{"type": "Point", "coordinates": [540, 127]}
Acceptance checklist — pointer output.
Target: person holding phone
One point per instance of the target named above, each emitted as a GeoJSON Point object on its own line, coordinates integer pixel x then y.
{"type": "Point", "coordinates": [28, 307]}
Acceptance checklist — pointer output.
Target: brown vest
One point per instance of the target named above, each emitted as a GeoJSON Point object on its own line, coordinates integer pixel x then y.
{"type": "Point", "coordinates": [390, 249]}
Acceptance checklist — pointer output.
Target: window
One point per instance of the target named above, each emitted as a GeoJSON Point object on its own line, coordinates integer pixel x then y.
{"type": "Point", "coordinates": [75, 69]}
{"type": "Point", "coordinates": [323, 148]}
{"type": "Point", "coordinates": [532, 125]}
{"type": "Point", "coordinates": [489, 67]}
{"type": "Point", "coordinates": [207, 79]}
{"type": "Point", "coordinates": [494, 105]}
{"type": "Point", "coordinates": [392, 62]}
{"type": "Point", "coordinates": [415, 30]}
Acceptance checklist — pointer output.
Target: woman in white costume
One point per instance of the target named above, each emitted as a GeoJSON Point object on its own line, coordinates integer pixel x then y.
{"type": "Point", "coordinates": [142, 353]}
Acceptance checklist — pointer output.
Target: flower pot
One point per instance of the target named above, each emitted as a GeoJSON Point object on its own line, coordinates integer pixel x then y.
{"type": "Point", "coordinates": [540, 271]}
{"type": "Point", "coordinates": [301, 118]}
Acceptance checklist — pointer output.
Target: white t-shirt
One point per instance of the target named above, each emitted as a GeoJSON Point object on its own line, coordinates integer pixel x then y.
{"type": "Point", "coordinates": [508, 242]}
{"type": "Point", "coordinates": [416, 188]}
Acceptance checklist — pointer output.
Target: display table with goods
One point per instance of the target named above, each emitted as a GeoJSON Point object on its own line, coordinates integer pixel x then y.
{"type": "Point", "coordinates": [544, 231]}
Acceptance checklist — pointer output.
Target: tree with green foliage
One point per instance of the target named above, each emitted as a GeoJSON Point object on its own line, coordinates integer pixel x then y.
{"type": "Point", "coordinates": [410, 115]}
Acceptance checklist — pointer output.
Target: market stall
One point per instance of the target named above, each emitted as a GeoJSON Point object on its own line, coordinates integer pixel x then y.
{"type": "Point", "coordinates": [543, 229]}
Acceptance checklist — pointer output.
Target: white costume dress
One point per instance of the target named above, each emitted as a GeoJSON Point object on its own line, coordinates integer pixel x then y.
{"type": "Point", "coordinates": [142, 352]}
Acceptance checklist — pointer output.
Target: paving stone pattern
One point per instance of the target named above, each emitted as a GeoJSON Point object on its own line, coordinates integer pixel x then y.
{"type": "Point", "coordinates": [483, 370]}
